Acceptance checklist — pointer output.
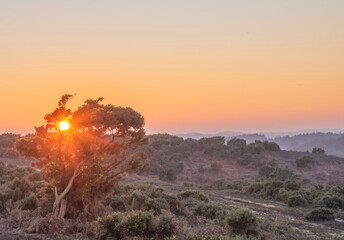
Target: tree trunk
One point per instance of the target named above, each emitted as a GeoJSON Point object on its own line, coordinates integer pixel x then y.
{"type": "Point", "coordinates": [60, 204]}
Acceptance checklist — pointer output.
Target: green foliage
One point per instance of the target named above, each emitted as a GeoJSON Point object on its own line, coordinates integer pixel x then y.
{"type": "Point", "coordinates": [304, 161]}
{"type": "Point", "coordinates": [267, 169]}
{"type": "Point", "coordinates": [137, 199]}
{"type": "Point", "coordinates": [157, 205]}
{"type": "Point", "coordinates": [115, 202]}
{"type": "Point", "coordinates": [28, 203]}
{"type": "Point", "coordinates": [331, 201]}
{"type": "Point", "coordinates": [136, 224]}
{"type": "Point", "coordinates": [240, 220]}
{"type": "Point", "coordinates": [271, 146]}
{"type": "Point", "coordinates": [320, 214]}
{"type": "Point", "coordinates": [193, 194]}
{"type": "Point", "coordinates": [163, 226]}
{"type": "Point", "coordinates": [108, 226]}
{"type": "Point", "coordinates": [256, 148]}
{"type": "Point", "coordinates": [238, 146]}
{"type": "Point", "coordinates": [296, 200]}
{"type": "Point", "coordinates": [210, 210]}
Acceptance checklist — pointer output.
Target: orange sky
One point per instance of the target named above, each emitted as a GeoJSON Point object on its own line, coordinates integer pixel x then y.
{"type": "Point", "coordinates": [193, 65]}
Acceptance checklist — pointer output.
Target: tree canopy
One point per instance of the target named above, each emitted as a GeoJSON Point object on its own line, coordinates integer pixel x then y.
{"type": "Point", "coordinates": [85, 162]}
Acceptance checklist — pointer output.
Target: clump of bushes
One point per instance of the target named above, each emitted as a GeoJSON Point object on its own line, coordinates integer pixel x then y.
{"type": "Point", "coordinates": [320, 214]}
{"type": "Point", "coordinates": [210, 211]}
{"type": "Point", "coordinates": [139, 223]}
{"type": "Point", "coordinates": [304, 161]}
{"type": "Point", "coordinates": [193, 194]}
{"type": "Point", "coordinates": [157, 205]}
{"type": "Point", "coordinates": [241, 220]}
{"type": "Point", "coordinates": [330, 201]}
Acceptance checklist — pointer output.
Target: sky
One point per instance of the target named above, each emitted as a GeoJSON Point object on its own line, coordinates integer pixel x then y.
{"type": "Point", "coordinates": [186, 66]}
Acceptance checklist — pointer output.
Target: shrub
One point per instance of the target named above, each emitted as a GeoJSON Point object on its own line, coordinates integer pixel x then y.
{"type": "Point", "coordinates": [240, 220]}
{"type": "Point", "coordinates": [320, 214]}
{"type": "Point", "coordinates": [296, 200]}
{"type": "Point", "coordinates": [108, 226]}
{"type": "Point", "coordinates": [210, 210]}
{"type": "Point", "coordinates": [28, 203]}
{"type": "Point", "coordinates": [330, 201]}
{"type": "Point", "coordinates": [136, 224]}
{"type": "Point", "coordinates": [304, 161]}
{"type": "Point", "coordinates": [157, 204]}
{"type": "Point", "coordinates": [292, 185]}
{"type": "Point", "coordinates": [216, 167]}
{"type": "Point", "coordinates": [245, 159]}
{"type": "Point", "coordinates": [137, 200]}
{"type": "Point", "coordinates": [285, 174]}
{"type": "Point", "coordinates": [193, 194]}
{"type": "Point", "coordinates": [164, 226]}
{"type": "Point", "coordinates": [115, 202]}
{"type": "Point", "coordinates": [271, 146]}
{"type": "Point", "coordinates": [266, 170]}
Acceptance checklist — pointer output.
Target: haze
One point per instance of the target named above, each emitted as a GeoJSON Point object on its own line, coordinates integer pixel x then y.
{"type": "Point", "coordinates": [185, 65]}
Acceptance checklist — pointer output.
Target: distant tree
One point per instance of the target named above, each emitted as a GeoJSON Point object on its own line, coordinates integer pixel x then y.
{"type": "Point", "coordinates": [318, 151]}
{"type": "Point", "coordinates": [271, 146]}
{"type": "Point", "coordinates": [84, 162]}
{"type": "Point", "coordinates": [238, 146]}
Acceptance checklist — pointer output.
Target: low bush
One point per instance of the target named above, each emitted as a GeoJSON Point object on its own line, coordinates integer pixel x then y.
{"type": "Point", "coordinates": [136, 200]}
{"type": "Point", "coordinates": [210, 210]}
{"type": "Point", "coordinates": [115, 202]}
{"type": "Point", "coordinates": [330, 201]}
{"type": "Point", "coordinates": [241, 220]}
{"type": "Point", "coordinates": [157, 205]}
{"type": "Point", "coordinates": [296, 200]}
{"type": "Point", "coordinates": [136, 224]}
{"type": "Point", "coordinates": [193, 194]}
{"type": "Point", "coordinates": [163, 226]}
{"type": "Point", "coordinates": [108, 226]}
{"type": "Point", "coordinates": [320, 214]}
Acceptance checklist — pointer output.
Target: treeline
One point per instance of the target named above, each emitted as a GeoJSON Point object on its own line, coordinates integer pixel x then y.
{"type": "Point", "coordinates": [168, 153]}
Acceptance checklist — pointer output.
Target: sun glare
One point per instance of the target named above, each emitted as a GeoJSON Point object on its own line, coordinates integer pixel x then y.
{"type": "Point", "coordinates": [64, 125]}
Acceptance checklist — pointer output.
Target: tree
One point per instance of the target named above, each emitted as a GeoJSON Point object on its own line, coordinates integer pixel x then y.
{"type": "Point", "coordinates": [84, 162]}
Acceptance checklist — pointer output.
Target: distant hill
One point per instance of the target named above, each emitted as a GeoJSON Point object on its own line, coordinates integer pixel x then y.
{"type": "Point", "coordinates": [332, 142]}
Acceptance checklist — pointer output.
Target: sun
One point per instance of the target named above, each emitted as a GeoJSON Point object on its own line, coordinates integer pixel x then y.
{"type": "Point", "coordinates": [64, 125]}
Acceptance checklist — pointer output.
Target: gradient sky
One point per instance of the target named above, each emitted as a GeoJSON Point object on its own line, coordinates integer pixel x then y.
{"type": "Point", "coordinates": [188, 65]}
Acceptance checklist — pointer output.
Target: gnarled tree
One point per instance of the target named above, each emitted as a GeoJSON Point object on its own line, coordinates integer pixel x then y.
{"type": "Point", "coordinates": [84, 162]}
